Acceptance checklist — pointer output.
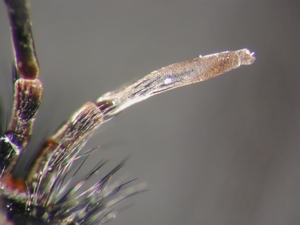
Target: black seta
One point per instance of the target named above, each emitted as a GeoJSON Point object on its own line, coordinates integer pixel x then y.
{"type": "Point", "coordinates": [44, 195]}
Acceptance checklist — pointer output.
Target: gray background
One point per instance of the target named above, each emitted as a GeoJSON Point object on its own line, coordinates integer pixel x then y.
{"type": "Point", "coordinates": [225, 151]}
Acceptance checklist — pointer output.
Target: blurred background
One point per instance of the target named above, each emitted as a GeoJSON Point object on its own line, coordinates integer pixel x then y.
{"type": "Point", "coordinates": [225, 151]}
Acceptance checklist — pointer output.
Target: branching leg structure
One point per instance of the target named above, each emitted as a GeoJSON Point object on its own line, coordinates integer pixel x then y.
{"type": "Point", "coordinates": [42, 196]}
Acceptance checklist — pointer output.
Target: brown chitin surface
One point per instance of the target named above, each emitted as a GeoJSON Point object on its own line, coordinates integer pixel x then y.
{"type": "Point", "coordinates": [27, 93]}
{"type": "Point", "coordinates": [219, 63]}
{"type": "Point", "coordinates": [86, 119]}
{"type": "Point", "coordinates": [177, 75]}
{"type": "Point", "coordinates": [27, 99]}
{"type": "Point", "coordinates": [73, 133]}
{"type": "Point", "coordinates": [24, 50]}
{"type": "Point", "coordinates": [28, 96]}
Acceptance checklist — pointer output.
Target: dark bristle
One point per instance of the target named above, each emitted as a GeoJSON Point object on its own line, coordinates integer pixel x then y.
{"type": "Point", "coordinates": [15, 74]}
{"type": "Point", "coordinates": [44, 190]}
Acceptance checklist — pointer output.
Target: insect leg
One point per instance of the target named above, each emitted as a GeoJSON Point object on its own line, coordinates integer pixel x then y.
{"type": "Point", "coordinates": [27, 88]}
{"type": "Point", "coordinates": [91, 115]}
